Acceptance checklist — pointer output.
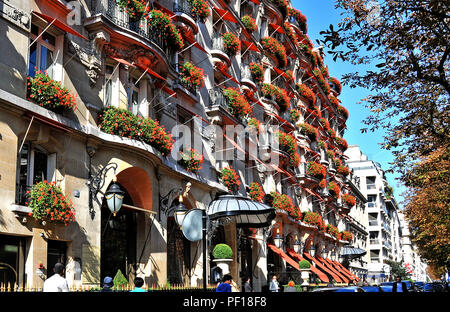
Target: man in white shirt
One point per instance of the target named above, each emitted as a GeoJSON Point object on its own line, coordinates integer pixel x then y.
{"type": "Point", "coordinates": [57, 282]}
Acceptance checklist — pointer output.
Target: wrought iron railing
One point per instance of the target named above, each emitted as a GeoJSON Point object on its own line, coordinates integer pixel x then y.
{"type": "Point", "coordinates": [216, 98]}
{"type": "Point", "coordinates": [22, 196]}
{"type": "Point", "coordinates": [183, 6]}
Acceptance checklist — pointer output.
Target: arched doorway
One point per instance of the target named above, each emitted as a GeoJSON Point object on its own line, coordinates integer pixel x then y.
{"type": "Point", "coordinates": [118, 240]}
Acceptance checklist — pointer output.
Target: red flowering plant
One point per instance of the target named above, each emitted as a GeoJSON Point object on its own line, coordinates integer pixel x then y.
{"type": "Point", "coordinates": [349, 200]}
{"type": "Point", "coordinates": [275, 48]}
{"type": "Point", "coordinates": [231, 43]}
{"type": "Point", "coordinates": [334, 189]}
{"type": "Point", "coordinates": [290, 33]}
{"type": "Point", "coordinates": [160, 23]}
{"type": "Point", "coordinates": [331, 133]}
{"type": "Point", "coordinates": [309, 131]}
{"type": "Point", "coordinates": [335, 84]}
{"type": "Point", "coordinates": [281, 5]}
{"type": "Point", "coordinates": [191, 160]}
{"type": "Point", "coordinates": [341, 143]}
{"type": "Point", "coordinates": [344, 170]}
{"type": "Point", "coordinates": [343, 111]}
{"type": "Point", "coordinates": [333, 101]}
{"type": "Point", "coordinates": [308, 52]}
{"type": "Point", "coordinates": [237, 104]}
{"type": "Point", "coordinates": [191, 76]}
{"type": "Point", "coordinates": [316, 170]}
{"type": "Point", "coordinates": [257, 72]}
{"type": "Point", "coordinates": [333, 230]}
{"type": "Point", "coordinates": [135, 9]}
{"type": "Point", "coordinates": [230, 179]}
{"type": "Point", "coordinates": [323, 183]}
{"type": "Point", "coordinates": [324, 123]}
{"type": "Point", "coordinates": [255, 124]}
{"type": "Point", "coordinates": [324, 71]}
{"type": "Point", "coordinates": [290, 75]}
{"type": "Point", "coordinates": [47, 201]}
{"type": "Point", "coordinates": [256, 192]}
{"type": "Point", "coordinates": [346, 236]}
{"type": "Point", "coordinates": [282, 202]}
{"type": "Point", "coordinates": [121, 122]}
{"type": "Point", "coordinates": [294, 114]}
{"type": "Point", "coordinates": [299, 17]}
{"type": "Point", "coordinates": [306, 93]}
{"type": "Point", "coordinates": [337, 162]}
{"type": "Point", "coordinates": [322, 144]}
{"type": "Point", "coordinates": [249, 23]}
{"type": "Point", "coordinates": [278, 94]}
{"type": "Point", "coordinates": [49, 93]}
{"type": "Point", "coordinates": [330, 154]}
{"type": "Point", "coordinates": [312, 218]}
{"type": "Point", "coordinates": [289, 144]}
{"type": "Point", "coordinates": [322, 82]}
{"type": "Point", "coordinates": [200, 8]}
{"type": "Point", "coordinates": [304, 39]}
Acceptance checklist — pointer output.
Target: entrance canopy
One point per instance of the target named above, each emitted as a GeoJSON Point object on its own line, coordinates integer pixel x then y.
{"type": "Point", "coordinates": [244, 211]}
{"type": "Point", "coordinates": [352, 252]}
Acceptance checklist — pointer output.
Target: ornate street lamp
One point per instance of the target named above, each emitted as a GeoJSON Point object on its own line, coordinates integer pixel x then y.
{"type": "Point", "coordinates": [297, 245]}
{"type": "Point", "coordinates": [312, 251]}
{"type": "Point", "coordinates": [333, 256]}
{"type": "Point", "coordinates": [180, 212]}
{"type": "Point", "coordinates": [278, 239]}
{"type": "Point", "coordinates": [324, 253]}
{"type": "Point", "coordinates": [114, 198]}
{"type": "Point", "coordinates": [341, 258]}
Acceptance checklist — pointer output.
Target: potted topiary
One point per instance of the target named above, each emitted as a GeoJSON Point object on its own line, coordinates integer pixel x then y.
{"type": "Point", "coordinates": [223, 255]}
{"type": "Point", "coordinates": [120, 281]}
{"type": "Point", "coordinates": [304, 266]}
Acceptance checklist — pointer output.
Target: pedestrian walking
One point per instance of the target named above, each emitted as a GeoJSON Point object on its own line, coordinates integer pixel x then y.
{"type": "Point", "coordinates": [107, 284]}
{"type": "Point", "coordinates": [291, 287]}
{"type": "Point", "coordinates": [57, 282]}
{"type": "Point", "coordinates": [274, 286]}
{"type": "Point", "coordinates": [330, 284]}
{"type": "Point", "coordinates": [138, 283]}
{"type": "Point", "coordinates": [399, 286]}
{"type": "Point", "coordinates": [225, 285]}
{"type": "Point", "coordinates": [248, 286]}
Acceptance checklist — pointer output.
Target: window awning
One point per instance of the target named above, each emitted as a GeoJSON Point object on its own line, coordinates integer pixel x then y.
{"type": "Point", "coordinates": [284, 256]}
{"type": "Point", "coordinates": [250, 45]}
{"type": "Point", "coordinates": [151, 72]}
{"type": "Point", "coordinates": [345, 270]}
{"type": "Point", "coordinates": [61, 25]}
{"type": "Point", "coordinates": [189, 37]}
{"type": "Point", "coordinates": [122, 61]}
{"type": "Point", "coordinates": [166, 89]}
{"type": "Point", "coordinates": [224, 72]}
{"type": "Point", "coordinates": [242, 210]}
{"type": "Point", "coordinates": [226, 15]}
{"type": "Point", "coordinates": [340, 269]}
{"type": "Point", "coordinates": [48, 121]}
{"type": "Point", "coordinates": [322, 267]}
{"type": "Point", "coordinates": [333, 269]}
{"type": "Point", "coordinates": [316, 271]}
{"type": "Point", "coordinates": [277, 28]}
{"type": "Point", "coordinates": [255, 1]}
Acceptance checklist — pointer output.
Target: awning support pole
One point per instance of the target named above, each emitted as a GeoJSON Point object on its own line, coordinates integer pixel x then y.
{"type": "Point", "coordinates": [26, 134]}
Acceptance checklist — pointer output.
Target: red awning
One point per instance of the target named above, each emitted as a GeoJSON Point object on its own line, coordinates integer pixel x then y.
{"type": "Point", "coordinates": [164, 10]}
{"type": "Point", "coordinates": [227, 75]}
{"type": "Point", "coordinates": [277, 28]}
{"type": "Point", "coordinates": [333, 269]}
{"type": "Point", "coordinates": [122, 61]}
{"type": "Point", "coordinates": [283, 121]}
{"type": "Point", "coordinates": [284, 256]}
{"type": "Point", "coordinates": [345, 270]}
{"type": "Point", "coordinates": [280, 72]}
{"type": "Point", "coordinates": [166, 89]}
{"type": "Point", "coordinates": [316, 271]}
{"type": "Point", "coordinates": [322, 267]}
{"type": "Point", "coordinates": [48, 121]}
{"type": "Point", "coordinates": [255, 1]}
{"type": "Point", "coordinates": [151, 72]}
{"type": "Point", "coordinates": [226, 15]}
{"type": "Point", "coordinates": [57, 23]}
{"type": "Point", "coordinates": [339, 269]}
{"type": "Point", "coordinates": [189, 38]}
{"type": "Point", "coordinates": [250, 45]}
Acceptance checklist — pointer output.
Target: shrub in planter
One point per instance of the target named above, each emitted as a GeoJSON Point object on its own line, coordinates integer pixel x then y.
{"type": "Point", "coordinates": [294, 114]}
{"type": "Point", "coordinates": [289, 144]}
{"type": "Point", "coordinates": [256, 192]}
{"type": "Point", "coordinates": [276, 49]}
{"type": "Point", "coordinates": [254, 123]}
{"type": "Point", "coordinates": [48, 202]}
{"type": "Point", "coordinates": [237, 104]}
{"type": "Point", "coordinates": [191, 75]}
{"type": "Point", "coordinates": [333, 230]}
{"type": "Point", "coordinates": [280, 95]}
{"type": "Point", "coordinates": [249, 23]}
{"type": "Point", "coordinates": [341, 143]}
{"type": "Point", "coordinates": [316, 170]}
{"type": "Point", "coordinates": [49, 93]}
{"type": "Point", "coordinates": [160, 23]}
{"type": "Point", "coordinates": [222, 251]}
{"type": "Point", "coordinates": [257, 72]}
{"type": "Point", "coordinates": [231, 43]}
{"type": "Point", "coordinates": [121, 122]}
{"type": "Point", "coordinates": [334, 189]}
{"type": "Point", "coordinates": [306, 93]}
{"type": "Point", "coordinates": [136, 9]}
{"type": "Point", "coordinates": [191, 160]}
{"type": "Point", "coordinates": [304, 264]}
{"type": "Point", "coordinates": [349, 200]}
{"type": "Point", "coordinates": [309, 131]}
{"type": "Point", "coordinates": [119, 280]}
{"type": "Point", "coordinates": [230, 179]}
{"type": "Point", "coordinates": [200, 9]}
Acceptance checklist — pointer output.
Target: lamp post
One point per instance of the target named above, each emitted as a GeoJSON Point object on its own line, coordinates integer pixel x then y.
{"type": "Point", "coordinates": [180, 212]}
{"type": "Point", "coordinates": [114, 198]}
{"type": "Point", "coordinates": [297, 245]}
{"type": "Point", "coordinates": [333, 256]}
{"type": "Point", "coordinates": [324, 253]}
{"type": "Point", "coordinates": [278, 239]}
{"type": "Point", "coordinates": [312, 251]}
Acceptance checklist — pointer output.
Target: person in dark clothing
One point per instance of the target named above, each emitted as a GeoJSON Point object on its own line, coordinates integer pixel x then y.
{"type": "Point", "coordinates": [225, 285]}
{"type": "Point", "coordinates": [107, 284]}
{"type": "Point", "coordinates": [247, 286]}
{"type": "Point", "coordinates": [399, 286]}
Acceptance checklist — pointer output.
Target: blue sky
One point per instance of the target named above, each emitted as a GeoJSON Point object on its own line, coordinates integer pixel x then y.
{"type": "Point", "coordinates": [320, 14]}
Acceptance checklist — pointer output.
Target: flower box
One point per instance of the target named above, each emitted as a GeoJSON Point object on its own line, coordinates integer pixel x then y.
{"type": "Point", "coordinates": [306, 93]}
{"type": "Point", "coordinates": [279, 94]}
{"type": "Point", "coordinates": [191, 76]}
{"type": "Point", "coordinates": [230, 179]}
{"type": "Point", "coordinates": [200, 8]}
{"type": "Point", "coordinates": [237, 103]}
{"type": "Point", "coordinates": [349, 200]}
{"type": "Point", "coordinates": [316, 170]}
{"type": "Point", "coordinates": [257, 72]}
{"type": "Point", "coordinates": [256, 192]}
{"type": "Point", "coordinates": [231, 43]}
{"type": "Point", "coordinates": [289, 144]}
{"type": "Point", "coordinates": [136, 9]}
{"type": "Point", "coordinates": [309, 131]}
{"type": "Point", "coordinates": [249, 23]}
{"type": "Point", "coordinates": [276, 49]}
{"type": "Point", "coordinates": [191, 160]}
{"type": "Point", "coordinates": [160, 23]}
{"type": "Point", "coordinates": [334, 189]}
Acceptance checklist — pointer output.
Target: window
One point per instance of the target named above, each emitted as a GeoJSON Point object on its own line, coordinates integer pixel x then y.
{"type": "Point", "coordinates": [12, 263]}
{"type": "Point", "coordinates": [109, 71]}
{"type": "Point", "coordinates": [371, 200]}
{"type": "Point", "coordinates": [34, 165]}
{"type": "Point", "coordinates": [42, 52]}
{"type": "Point", "coordinates": [133, 102]}
{"type": "Point", "coordinates": [370, 181]}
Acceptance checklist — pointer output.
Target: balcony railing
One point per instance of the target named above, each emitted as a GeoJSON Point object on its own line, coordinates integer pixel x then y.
{"type": "Point", "coordinates": [21, 194]}
{"type": "Point", "coordinates": [216, 98]}
{"type": "Point", "coordinates": [183, 6]}
{"type": "Point", "coordinates": [111, 10]}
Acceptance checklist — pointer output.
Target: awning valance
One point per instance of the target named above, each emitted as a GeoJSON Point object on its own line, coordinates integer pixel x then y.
{"type": "Point", "coordinates": [242, 210]}
{"type": "Point", "coordinates": [313, 269]}
{"type": "Point", "coordinates": [352, 252]}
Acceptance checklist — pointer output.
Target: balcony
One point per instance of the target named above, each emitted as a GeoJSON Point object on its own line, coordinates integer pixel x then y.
{"type": "Point", "coordinates": [217, 51]}
{"type": "Point", "coordinates": [247, 78]}
{"type": "Point", "coordinates": [301, 173]}
{"type": "Point", "coordinates": [183, 10]}
{"type": "Point", "coordinates": [218, 107]}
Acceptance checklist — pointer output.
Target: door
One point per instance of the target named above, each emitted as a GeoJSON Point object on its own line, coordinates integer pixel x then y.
{"type": "Point", "coordinates": [56, 252]}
